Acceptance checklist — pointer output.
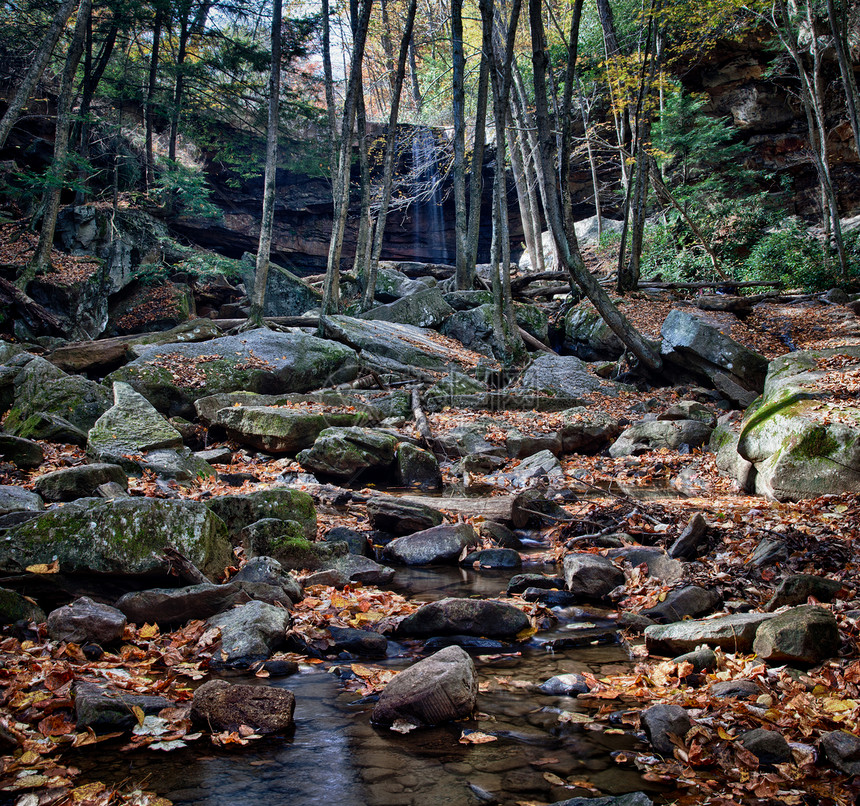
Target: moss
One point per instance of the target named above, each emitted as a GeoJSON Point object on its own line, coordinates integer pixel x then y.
{"type": "Point", "coordinates": [816, 444]}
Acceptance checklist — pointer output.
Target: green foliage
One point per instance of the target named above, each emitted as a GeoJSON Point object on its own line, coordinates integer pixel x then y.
{"type": "Point", "coordinates": [188, 187]}
{"type": "Point", "coordinates": [151, 274]}
{"type": "Point", "coordinates": [791, 255]}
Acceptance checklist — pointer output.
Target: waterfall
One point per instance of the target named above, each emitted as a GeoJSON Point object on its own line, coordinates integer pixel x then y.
{"type": "Point", "coordinates": [427, 219]}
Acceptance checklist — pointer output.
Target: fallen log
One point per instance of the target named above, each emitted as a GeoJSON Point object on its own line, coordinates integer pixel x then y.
{"type": "Point", "coordinates": [713, 284]}
{"type": "Point", "coordinates": [519, 283]}
{"type": "Point", "coordinates": [492, 509]}
{"type": "Point", "coordinates": [34, 314]}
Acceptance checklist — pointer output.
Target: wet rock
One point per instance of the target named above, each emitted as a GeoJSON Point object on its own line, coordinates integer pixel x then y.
{"type": "Point", "coordinates": [532, 508]}
{"type": "Point", "coordinates": [735, 689]}
{"type": "Point", "coordinates": [768, 746]}
{"type": "Point", "coordinates": [250, 633]}
{"type": "Point", "coordinates": [733, 633]}
{"type": "Point", "coordinates": [493, 558]}
{"type": "Point", "coordinates": [806, 634]}
{"type": "Point", "coordinates": [662, 721]}
{"type": "Point", "coordinates": [356, 541]}
{"type": "Point", "coordinates": [239, 511]}
{"type": "Point", "coordinates": [499, 534]}
{"type": "Point", "coordinates": [652, 435]}
{"type": "Point", "coordinates": [551, 598]}
{"type": "Point", "coordinates": [269, 571]}
{"type": "Point", "coordinates": [467, 642]}
{"type": "Point", "coordinates": [280, 668]}
{"type": "Point", "coordinates": [15, 607]}
{"type": "Point", "coordinates": [690, 542]}
{"type": "Point", "coordinates": [438, 689]}
{"type": "Point", "coordinates": [361, 569]}
{"type": "Point", "coordinates": [658, 564]}
{"type": "Point", "coordinates": [630, 799]}
{"type": "Point", "coordinates": [480, 617]}
{"type": "Point", "coordinates": [123, 536]}
{"type": "Point", "coordinates": [347, 452]}
{"type": "Point", "coordinates": [565, 685]}
{"type": "Point", "coordinates": [690, 600]}
{"type": "Point", "coordinates": [585, 431]}
{"type": "Point", "coordinates": [634, 623]}
{"type": "Point", "coordinates": [426, 308]}
{"type": "Point", "coordinates": [702, 659]}
{"type": "Point", "coordinates": [689, 410]}
{"type": "Point", "coordinates": [70, 483]}
{"type": "Point", "coordinates": [591, 576]}
{"type": "Point", "coordinates": [398, 516]}
{"type": "Point", "coordinates": [221, 706]}
{"type": "Point", "coordinates": [520, 582]}
{"type": "Point", "coordinates": [415, 467]}
{"type": "Point", "coordinates": [797, 588]}
{"type": "Point", "coordinates": [106, 710]}
{"type": "Point", "coordinates": [86, 622]}
{"type": "Point", "coordinates": [441, 544]}
{"type": "Point", "coordinates": [842, 750]}
{"type": "Point", "coordinates": [17, 499]}
{"type": "Point", "coordinates": [25, 454]}
{"type": "Point", "coordinates": [359, 642]}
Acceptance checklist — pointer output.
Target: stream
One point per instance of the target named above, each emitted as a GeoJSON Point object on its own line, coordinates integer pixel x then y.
{"type": "Point", "coordinates": [334, 753]}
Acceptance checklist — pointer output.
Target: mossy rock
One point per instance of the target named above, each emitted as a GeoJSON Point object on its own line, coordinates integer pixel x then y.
{"type": "Point", "coordinates": [14, 607]}
{"type": "Point", "coordinates": [239, 511]}
{"type": "Point", "coordinates": [344, 453]}
{"type": "Point", "coordinates": [588, 336]}
{"type": "Point", "coordinates": [123, 536]}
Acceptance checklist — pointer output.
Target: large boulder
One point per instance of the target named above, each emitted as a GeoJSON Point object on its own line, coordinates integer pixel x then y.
{"type": "Point", "coordinates": [23, 453]}
{"type": "Point", "coordinates": [437, 689]}
{"type": "Point", "coordinates": [591, 576]}
{"type": "Point", "coordinates": [15, 607]}
{"type": "Point", "coordinates": [805, 634]}
{"type": "Point", "coordinates": [651, 435]}
{"type": "Point", "coordinates": [286, 294]}
{"type": "Point", "coordinates": [250, 633]}
{"type": "Point", "coordinates": [417, 468]}
{"type": "Point", "coordinates": [17, 499]}
{"type": "Point", "coordinates": [400, 516]}
{"type": "Point", "coordinates": [803, 434]}
{"type": "Point", "coordinates": [585, 431]}
{"type": "Point", "coordinates": [124, 536]}
{"type": "Point", "coordinates": [71, 483]}
{"type": "Point", "coordinates": [588, 336]}
{"type": "Point", "coordinates": [173, 376]}
{"type": "Point", "coordinates": [282, 503]}
{"type": "Point", "coordinates": [563, 374]}
{"type": "Point", "coordinates": [479, 617]}
{"type": "Point", "coordinates": [734, 633]}
{"type": "Point", "coordinates": [347, 452]}
{"type": "Point", "coordinates": [86, 622]}
{"type": "Point", "coordinates": [473, 328]}
{"type": "Point", "coordinates": [425, 308]}
{"type": "Point", "coordinates": [221, 706]}
{"type": "Point", "coordinates": [439, 544]}
{"type": "Point", "coordinates": [106, 710]}
{"type": "Point", "coordinates": [700, 348]}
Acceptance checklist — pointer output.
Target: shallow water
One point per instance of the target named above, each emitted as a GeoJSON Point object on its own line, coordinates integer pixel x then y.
{"type": "Point", "coordinates": [334, 753]}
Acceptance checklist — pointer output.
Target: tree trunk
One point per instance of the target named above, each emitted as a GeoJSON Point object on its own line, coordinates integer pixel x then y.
{"type": "Point", "coordinates": [566, 244]}
{"type": "Point", "coordinates": [151, 87]}
{"type": "Point", "coordinates": [592, 164]}
{"type": "Point", "coordinates": [621, 113]}
{"type": "Point", "coordinates": [35, 70]}
{"type": "Point", "coordinates": [565, 121]}
{"type": "Point", "coordinates": [57, 172]}
{"type": "Point", "coordinates": [849, 82]}
{"type": "Point", "coordinates": [389, 154]}
{"type": "Point", "coordinates": [518, 171]}
{"type": "Point", "coordinates": [264, 247]}
{"type": "Point", "coordinates": [476, 177]}
{"type": "Point", "coordinates": [458, 169]}
{"type": "Point", "coordinates": [417, 100]}
{"type": "Point", "coordinates": [363, 242]}
{"type": "Point", "coordinates": [179, 84]}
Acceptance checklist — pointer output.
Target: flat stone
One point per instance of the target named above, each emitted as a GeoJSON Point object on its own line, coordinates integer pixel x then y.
{"type": "Point", "coordinates": [805, 634]}
{"type": "Point", "coordinates": [733, 633]}
{"type": "Point", "coordinates": [441, 544]}
{"type": "Point", "coordinates": [479, 617]}
{"type": "Point", "coordinates": [735, 689]}
{"type": "Point", "coordinates": [400, 517]}
{"type": "Point", "coordinates": [106, 710]}
{"type": "Point", "coordinates": [70, 483]}
{"type": "Point", "coordinates": [86, 622]}
{"type": "Point", "coordinates": [222, 706]}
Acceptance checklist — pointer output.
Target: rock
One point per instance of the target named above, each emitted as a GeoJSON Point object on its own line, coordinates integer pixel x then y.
{"type": "Point", "coordinates": [733, 633]}
{"type": "Point", "coordinates": [724, 443]}
{"type": "Point", "coordinates": [467, 642]}
{"type": "Point", "coordinates": [250, 633]}
{"type": "Point", "coordinates": [689, 410]}
{"type": "Point", "coordinates": [264, 361]}
{"type": "Point", "coordinates": [551, 598]}
{"type": "Point", "coordinates": [842, 750]}
{"type": "Point", "coordinates": [70, 483]}
{"type": "Point", "coordinates": [216, 456]}
{"type": "Point", "coordinates": [768, 746]}
{"type": "Point", "coordinates": [805, 634]}
{"type": "Point", "coordinates": [106, 710]}
{"type": "Point", "coordinates": [563, 374]}
{"type": "Point", "coordinates": [269, 571]}
{"type": "Point", "coordinates": [15, 607]}
{"type": "Point", "coordinates": [521, 446]}
{"type": "Point", "coordinates": [359, 642]}
{"type": "Point", "coordinates": [392, 284]}
{"type": "Point", "coordinates": [425, 308]}
{"type": "Point", "coordinates": [584, 431]}
{"type": "Point", "coordinates": [221, 706]}
{"type": "Point", "coordinates": [662, 721]}
{"type": "Point", "coordinates": [588, 337]}
{"type": "Point", "coordinates": [565, 685]}
{"type": "Point", "coordinates": [691, 540]}
{"type": "Point", "coordinates": [768, 552]}
{"type": "Point", "coordinates": [357, 542]}
{"type": "Point", "coordinates": [521, 582]}
{"type": "Point", "coordinates": [797, 588]}
{"type": "Point", "coordinates": [702, 659]}
{"type": "Point", "coordinates": [630, 799]}
{"type": "Point", "coordinates": [328, 577]}
{"type": "Point", "coordinates": [23, 453]}
{"type": "Point", "coordinates": [651, 435]}
{"type": "Point", "coordinates": [473, 328]}
{"type": "Point", "coordinates": [270, 536]}
{"type": "Point", "coordinates": [360, 569]}
{"type": "Point", "coordinates": [591, 576]}
{"type": "Point", "coordinates": [735, 689]}
{"type": "Point", "coordinates": [86, 622]}
{"type": "Point", "coordinates": [480, 617]}
{"type": "Point", "coordinates": [542, 467]}
{"type": "Point", "coordinates": [286, 294]}
{"type": "Point", "coordinates": [696, 346]}
{"type": "Point", "coordinates": [680, 603]}
{"type": "Point", "coordinates": [399, 516]}
{"type": "Point", "coordinates": [125, 536]}
{"type": "Point", "coordinates": [493, 558]}
{"type": "Point", "coordinates": [415, 467]}
{"type": "Point", "coordinates": [283, 430]}
{"type": "Point", "coordinates": [239, 511]}
{"type": "Point", "coordinates": [42, 389]}
{"type": "Point", "coordinates": [658, 564]}
{"type": "Point", "coordinates": [345, 453]}
{"type": "Point", "coordinates": [801, 441]}
{"type": "Point", "coordinates": [467, 440]}
{"type": "Point", "coordinates": [499, 534]}
{"type": "Point", "coordinates": [17, 499]}
{"type": "Point", "coordinates": [634, 623]}
{"type": "Point", "coordinates": [440, 544]}
{"type": "Point", "coordinates": [440, 688]}
{"type": "Point", "coordinates": [588, 230]}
